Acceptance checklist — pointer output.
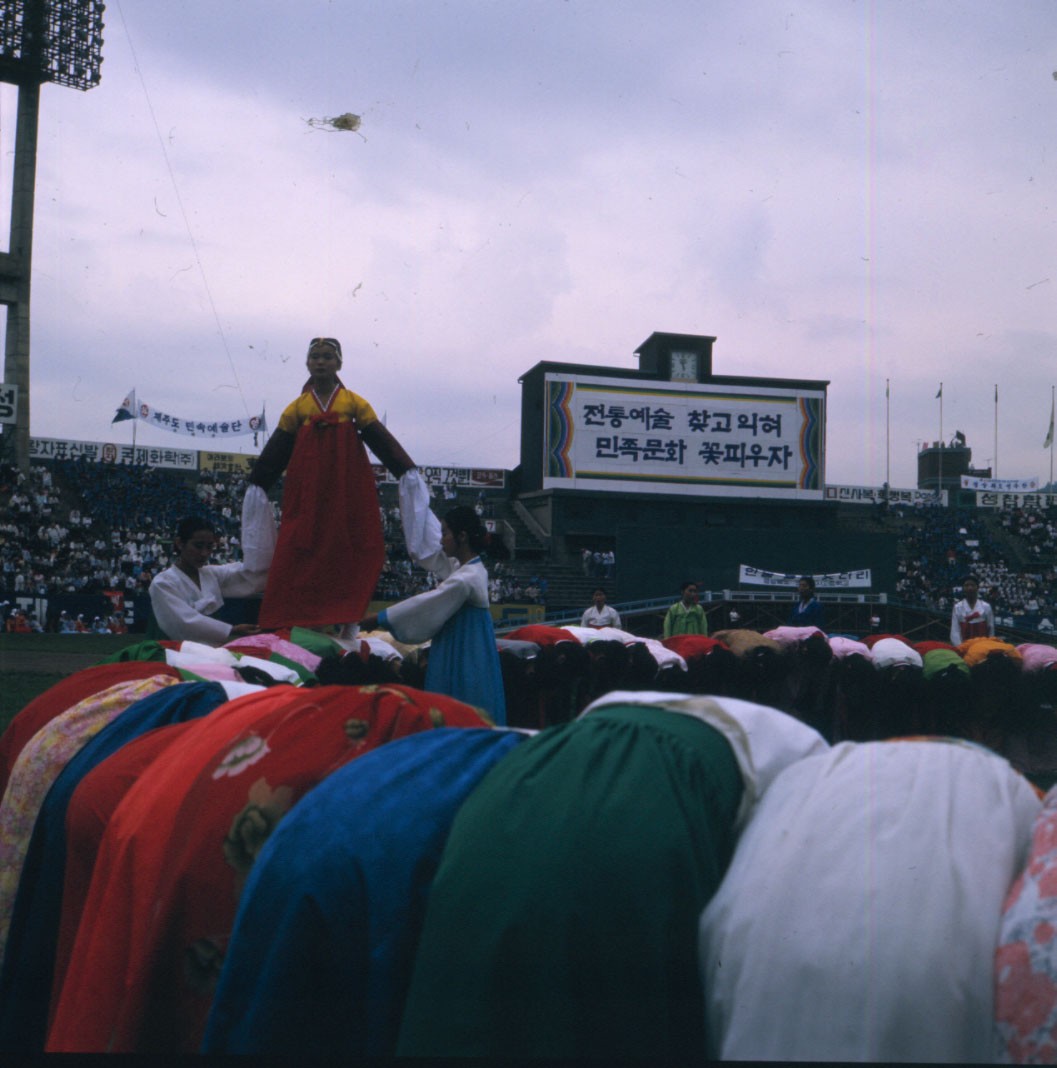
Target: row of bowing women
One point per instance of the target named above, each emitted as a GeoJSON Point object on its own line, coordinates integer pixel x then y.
{"type": "Point", "coordinates": [204, 864]}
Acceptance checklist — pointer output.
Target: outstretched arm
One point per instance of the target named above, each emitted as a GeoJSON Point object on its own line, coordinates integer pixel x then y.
{"type": "Point", "coordinates": [273, 459]}
{"type": "Point", "coordinates": [179, 620]}
{"type": "Point", "coordinates": [378, 439]}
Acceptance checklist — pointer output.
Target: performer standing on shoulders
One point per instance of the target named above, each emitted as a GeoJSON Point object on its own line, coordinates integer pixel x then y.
{"type": "Point", "coordinates": [331, 547]}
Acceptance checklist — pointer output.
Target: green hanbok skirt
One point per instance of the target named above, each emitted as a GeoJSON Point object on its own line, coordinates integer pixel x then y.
{"type": "Point", "coordinates": [563, 919]}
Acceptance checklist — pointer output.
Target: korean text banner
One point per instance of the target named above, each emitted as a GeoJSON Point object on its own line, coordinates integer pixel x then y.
{"type": "Point", "coordinates": [8, 403]}
{"type": "Point", "coordinates": [195, 428]}
{"type": "Point", "coordinates": [473, 477]}
{"type": "Point", "coordinates": [837, 580]}
{"type": "Point", "coordinates": [1008, 501]}
{"type": "Point", "coordinates": [608, 434]}
{"type": "Point", "coordinates": [109, 453]}
{"type": "Point", "coordinates": [1001, 485]}
{"type": "Point", "coordinates": [919, 498]}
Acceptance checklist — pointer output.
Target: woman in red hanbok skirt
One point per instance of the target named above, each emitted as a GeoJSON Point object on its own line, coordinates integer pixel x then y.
{"type": "Point", "coordinates": [331, 549]}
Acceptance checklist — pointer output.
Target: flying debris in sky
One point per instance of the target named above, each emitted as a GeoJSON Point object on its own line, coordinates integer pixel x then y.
{"type": "Point", "coordinates": [346, 122]}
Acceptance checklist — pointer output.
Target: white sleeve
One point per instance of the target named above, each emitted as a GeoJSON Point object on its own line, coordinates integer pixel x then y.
{"type": "Point", "coordinates": [237, 580]}
{"type": "Point", "coordinates": [956, 628]}
{"type": "Point", "coordinates": [421, 526]}
{"type": "Point", "coordinates": [420, 617]}
{"type": "Point", "coordinates": [179, 620]}
{"type": "Point", "coordinates": [258, 530]}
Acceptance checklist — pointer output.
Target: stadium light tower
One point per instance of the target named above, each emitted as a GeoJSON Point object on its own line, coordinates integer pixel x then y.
{"type": "Point", "coordinates": [57, 41]}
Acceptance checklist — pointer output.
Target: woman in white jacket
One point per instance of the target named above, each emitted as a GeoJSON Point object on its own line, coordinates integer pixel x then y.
{"type": "Point", "coordinates": [184, 597]}
{"type": "Point", "coordinates": [463, 659]}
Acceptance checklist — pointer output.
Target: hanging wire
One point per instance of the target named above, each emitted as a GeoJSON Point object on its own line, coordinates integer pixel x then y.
{"type": "Point", "coordinates": [183, 212]}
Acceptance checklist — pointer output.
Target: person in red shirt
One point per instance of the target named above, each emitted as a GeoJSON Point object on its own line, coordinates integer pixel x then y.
{"type": "Point", "coordinates": [971, 617]}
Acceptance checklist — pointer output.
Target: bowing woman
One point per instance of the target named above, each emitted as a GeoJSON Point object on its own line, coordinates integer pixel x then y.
{"type": "Point", "coordinates": [463, 659]}
{"type": "Point", "coordinates": [331, 548]}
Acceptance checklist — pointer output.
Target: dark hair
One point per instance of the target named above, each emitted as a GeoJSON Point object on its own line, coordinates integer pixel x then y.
{"type": "Point", "coordinates": [465, 519]}
{"type": "Point", "coordinates": [190, 525]}
{"type": "Point", "coordinates": [598, 589]}
{"type": "Point", "coordinates": [326, 342]}
{"type": "Point", "coordinates": [689, 582]}
{"type": "Point", "coordinates": [809, 580]}
{"type": "Point", "coordinates": [970, 578]}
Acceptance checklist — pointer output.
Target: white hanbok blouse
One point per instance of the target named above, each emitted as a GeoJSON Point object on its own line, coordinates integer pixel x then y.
{"type": "Point", "coordinates": [183, 609]}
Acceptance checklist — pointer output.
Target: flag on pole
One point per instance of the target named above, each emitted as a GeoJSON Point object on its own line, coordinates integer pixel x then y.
{"type": "Point", "coordinates": [1049, 434]}
{"type": "Point", "coordinates": [939, 392]}
{"type": "Point", "coordinates": [127, 409]}
{"type": "Point", "coordinates": [238, 426]}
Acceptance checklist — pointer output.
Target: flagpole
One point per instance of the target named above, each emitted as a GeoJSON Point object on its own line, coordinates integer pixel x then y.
{"type": "Point", "coordinates": [1051, 438]}
{"type": "Point", "coordinates": [940, 395]}
{"type": "Point", "coordinates": [888, 444]}
{"type": "Point", "coordinates": [995, 474]}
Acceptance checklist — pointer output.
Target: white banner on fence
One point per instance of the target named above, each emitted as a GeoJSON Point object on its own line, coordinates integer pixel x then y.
{"type": "Point", "coordinates": [838, 580]}
{"type": "Point", "coordinates": [1015, 500]}
{"type": "Point", "coordinates": [109, 453]}
{"type": "Point", "coordinates": [472, 477]}
{"type": "Point", "coordinates": [878, 495]}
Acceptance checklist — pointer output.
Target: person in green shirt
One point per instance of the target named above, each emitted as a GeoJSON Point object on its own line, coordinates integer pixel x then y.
{"type": "Point", "coordinates": [686, 616]}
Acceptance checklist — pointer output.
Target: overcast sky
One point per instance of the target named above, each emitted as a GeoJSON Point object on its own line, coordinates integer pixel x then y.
{"type": "Point", "coordinates": [858, 192]}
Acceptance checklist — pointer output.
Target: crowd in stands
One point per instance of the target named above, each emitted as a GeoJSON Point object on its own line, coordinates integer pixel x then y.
{"type": "Point", "coordinates": [89, 528]}
{"type": "Point", "coordinates": [80, 527]}
{"type": "Point", "coordinates": [940, 548]}
{"type": "Point", "coordinates": [110, 532]}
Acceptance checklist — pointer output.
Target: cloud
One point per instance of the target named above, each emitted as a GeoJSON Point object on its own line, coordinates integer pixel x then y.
{"type": "Point", "coordinates": [844, 192]}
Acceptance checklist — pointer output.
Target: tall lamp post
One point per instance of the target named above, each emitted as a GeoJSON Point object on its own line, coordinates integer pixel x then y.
{"type": "Point", "coordinates": [41, 41]}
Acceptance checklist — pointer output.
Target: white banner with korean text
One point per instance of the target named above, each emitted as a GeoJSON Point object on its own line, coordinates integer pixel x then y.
{"type": "Point", "coordinates": [1007, 501]}
{"type": "Point", "coordinates": [454, 477]}
{"type": "Point", "coordinates": [131, 408]}
{"type": "Point", "coordinates": [917, 498]}
{"type": "Point", "coordinates": [724, 440]}
{"type": "Point", "coordinates": [838, 580]}
{"type": "Point", "coordinates": [8, 403]}
{"type": "Point", "coordinates": [109, 453]}
{"type": "Point", "coordinates": [1000, 485]}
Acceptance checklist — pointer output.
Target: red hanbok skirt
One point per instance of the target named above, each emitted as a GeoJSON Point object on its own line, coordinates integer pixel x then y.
{"type": "Point", "coordinates": [331, 548]}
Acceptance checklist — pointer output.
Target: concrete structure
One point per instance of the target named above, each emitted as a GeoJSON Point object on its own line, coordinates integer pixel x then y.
{"type": "Point", "coordinates": [682, 473]}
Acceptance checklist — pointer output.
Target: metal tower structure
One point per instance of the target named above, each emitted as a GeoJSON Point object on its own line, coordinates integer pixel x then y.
{"type": "Point", "coordinates": [41, 41]}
